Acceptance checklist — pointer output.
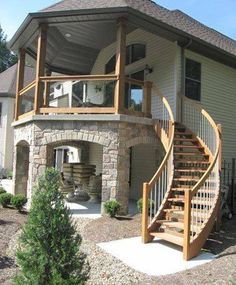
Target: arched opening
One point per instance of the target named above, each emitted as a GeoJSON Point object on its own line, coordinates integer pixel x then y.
{"type": "Point", "coordinates": [22, 168]}
{"type": "Point", "coordinates": [144, 162]}
{"type": "Point", "coordinates": [81, 167]}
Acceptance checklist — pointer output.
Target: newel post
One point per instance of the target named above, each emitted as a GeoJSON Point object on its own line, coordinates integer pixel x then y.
{"type": "Point", "coordinates": [40, 65]}
{"type": "Point", "coordinates": [145, 235]}
{"type": "Point", "coordinates": [187, 224]}
{"type": "Point", "coordinates": [19, 81]}
{"type": "Point", "coordinates": [120, 64]}
{"type": "Point", "coordinates": [147, 98]}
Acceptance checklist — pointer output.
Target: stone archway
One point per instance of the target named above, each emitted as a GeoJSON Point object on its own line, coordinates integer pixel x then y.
{"type": "Point", "coordinates": [21, 168]}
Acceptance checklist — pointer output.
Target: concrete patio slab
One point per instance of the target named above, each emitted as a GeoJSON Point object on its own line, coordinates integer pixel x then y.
{"type": "Point", "coordinates": [156, 258]}
{"type": "Point", "coordinates": [85, 210]}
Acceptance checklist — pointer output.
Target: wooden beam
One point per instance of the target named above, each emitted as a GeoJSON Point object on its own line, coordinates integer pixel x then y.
{"type": "Point", "coordinates": [120, 64]}
{"type": "Point", "coordinates": [79, 77]}
{"type": "Point", "coordinates": [19, 81]}
{"type": "Point", "coordinates": [147, 97]}
{"type": "Point", "coordinates": [78, 110]}
{"type": "Point", "coordinates": [40, 65]}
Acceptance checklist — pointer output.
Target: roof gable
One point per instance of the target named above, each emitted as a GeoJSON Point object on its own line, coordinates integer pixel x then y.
{"type": "Point", "coordinates": [8, 80]}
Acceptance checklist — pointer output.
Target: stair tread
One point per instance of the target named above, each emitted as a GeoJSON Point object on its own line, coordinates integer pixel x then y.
{"type": "Point", "coordinates": [189, 170]}
{"type": "Point", "coordinates": [188, 146]}
{"type": "Point", "coordinates": [186, 139]}
{"type": "Point", "coordinates": [191, 154]}
{"type": "Point", "coordinates": [200, 213]}
{"type": "Point", "coordinates": [187, 179]}
{"type": "Point", "coordinates": [169, 237]}
{"type": "Point", "coordinates": [192, 161]}
{"type": "Point", "coordinates": [173, 224]}
{"type": "Point", "coordinates": [193, 201]}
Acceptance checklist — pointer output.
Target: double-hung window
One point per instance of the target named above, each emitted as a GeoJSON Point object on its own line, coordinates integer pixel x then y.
{"type": "Point", "coordinates": [193, 79]}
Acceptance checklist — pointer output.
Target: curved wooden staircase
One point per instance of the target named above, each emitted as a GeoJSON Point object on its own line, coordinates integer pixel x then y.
{"type": "Point", "coordinates": [181, 202]}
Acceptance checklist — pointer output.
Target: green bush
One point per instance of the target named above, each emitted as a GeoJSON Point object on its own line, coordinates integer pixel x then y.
{"type": "Point", "coordinates": [112, 208]}
{"type": "Point", "coordinates": [140, 205]}
{"type": "Point", "coordinates": [49, 251]}
{"type": "Point", "coordinates": [2, 190]}
{"type": "Point", "coordinates": [5, 199]}
{"type": "Point", "coordinates": [18, 201]}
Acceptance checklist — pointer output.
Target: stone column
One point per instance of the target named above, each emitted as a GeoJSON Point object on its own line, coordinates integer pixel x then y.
{"type": "Point", "coordinates": [115, 176]}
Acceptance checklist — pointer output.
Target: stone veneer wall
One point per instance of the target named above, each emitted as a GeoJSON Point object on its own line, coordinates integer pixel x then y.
{"type": "Point", "coordinates": [115, 137]}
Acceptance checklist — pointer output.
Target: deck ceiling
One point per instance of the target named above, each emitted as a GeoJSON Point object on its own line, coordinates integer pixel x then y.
{"type": "Point", "coordinates": [78, 52]}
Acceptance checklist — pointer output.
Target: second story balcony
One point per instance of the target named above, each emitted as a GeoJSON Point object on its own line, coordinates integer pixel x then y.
{"type": "Point", "coordinates": [66, 81]}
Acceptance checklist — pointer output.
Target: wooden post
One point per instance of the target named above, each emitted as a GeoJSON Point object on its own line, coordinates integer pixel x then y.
{"type": "Point", "coordinates": [47, 89]}
{"type": "Point", "coordinates": [187, 224]}
{"type": "Point", "coordinates": [120, 64]}
{"type": "Point", "coordinates": [147, 97]}
{"type": "Point", "coordinates": [145, 238]}
{"type": "Point", "coordinates": [40, 65]}
{"type": "Point", "coordinates": [19, 81]}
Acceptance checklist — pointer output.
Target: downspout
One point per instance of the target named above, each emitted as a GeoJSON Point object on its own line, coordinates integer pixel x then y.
{"type": "Point", "coordinates": [182, 87]}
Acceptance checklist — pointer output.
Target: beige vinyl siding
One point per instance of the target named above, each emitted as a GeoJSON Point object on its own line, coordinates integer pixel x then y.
{"type": "Point", "coordinates": [218, 96]}
{"type": "Point", "coordinates": [6, 133]}
{"type": "Point", "coordinates": [95, 156]}
{"type": "Point", "coordinates": [160, 55]}
{"type": "Point", "coordinates": [145, 159]}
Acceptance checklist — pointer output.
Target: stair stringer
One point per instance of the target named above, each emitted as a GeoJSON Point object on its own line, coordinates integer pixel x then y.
{"type": "Point", "coordinates": [197, 244]}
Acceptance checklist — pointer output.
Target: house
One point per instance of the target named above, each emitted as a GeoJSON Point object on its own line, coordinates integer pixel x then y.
{"type": "Point", "coordinates": [7, 105]}
{"type": "Point", "coordinates": [154, 106]}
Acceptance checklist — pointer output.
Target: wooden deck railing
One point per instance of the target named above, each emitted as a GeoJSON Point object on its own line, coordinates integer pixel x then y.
{"type": "Point", "coordinates": [45, 108]}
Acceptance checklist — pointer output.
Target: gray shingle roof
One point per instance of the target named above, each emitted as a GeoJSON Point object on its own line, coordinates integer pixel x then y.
{"type": "Point", "coordinates": [8, 80]}
{"type": "Point", "coordinates": [175, 18]}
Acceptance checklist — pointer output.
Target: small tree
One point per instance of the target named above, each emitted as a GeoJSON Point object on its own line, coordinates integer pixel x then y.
{"type": "Point", "coordinates": [49, 252]}
{"type": "Point", "coordinates": [7, 58]}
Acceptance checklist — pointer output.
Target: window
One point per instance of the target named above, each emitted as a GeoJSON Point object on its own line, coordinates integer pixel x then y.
{"type": "Point", "coordinates": [134, 93]}
{"type": "Point", "coordinates": [193, 79]}
{"type": "Point", "coordinates": [0, 114]}
{"type": "Point", "coordinates": [134, 53]}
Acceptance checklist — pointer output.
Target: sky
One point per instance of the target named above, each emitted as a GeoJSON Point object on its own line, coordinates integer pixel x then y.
{"type": "Point", "coordinates": [217, 14]}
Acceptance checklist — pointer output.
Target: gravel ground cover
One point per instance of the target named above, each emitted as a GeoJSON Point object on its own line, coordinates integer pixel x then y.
{"type": "Point", "coordinates": [10, 223]}
{"type": "Point", "coordinates": [106, 269]}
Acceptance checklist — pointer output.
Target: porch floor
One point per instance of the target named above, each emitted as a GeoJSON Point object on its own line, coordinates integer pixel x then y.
{"type": "Point", "coordinates": [93, 210]}
{"type": "Point", "coordinates": [156, 258]}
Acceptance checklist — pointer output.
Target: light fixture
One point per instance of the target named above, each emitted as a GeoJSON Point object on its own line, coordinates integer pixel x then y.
{"type": "Point", "coordinates": [148, 69]}
{"type": "Point", "coordinates": [67, 35]}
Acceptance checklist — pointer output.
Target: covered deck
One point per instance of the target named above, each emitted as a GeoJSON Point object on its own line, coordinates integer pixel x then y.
{"type": "Point", "coordinates": [63, 55]}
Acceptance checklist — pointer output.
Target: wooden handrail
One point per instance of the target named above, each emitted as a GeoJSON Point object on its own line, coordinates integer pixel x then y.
{"type": "Point", "coordinates": [102, 77]}
{"type": "Point", "coordinates": [27, 88]}
{"type": "Point", "coordinates": [199, 184]}
{"type": "Point", "coordinates": [164, 161]}
{"type": "Point", "coordinates": [190, 249]}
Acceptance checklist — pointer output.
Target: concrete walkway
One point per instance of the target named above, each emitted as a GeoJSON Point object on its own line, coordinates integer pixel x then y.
{"type": "Point", "coordinates": [156, 258]}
